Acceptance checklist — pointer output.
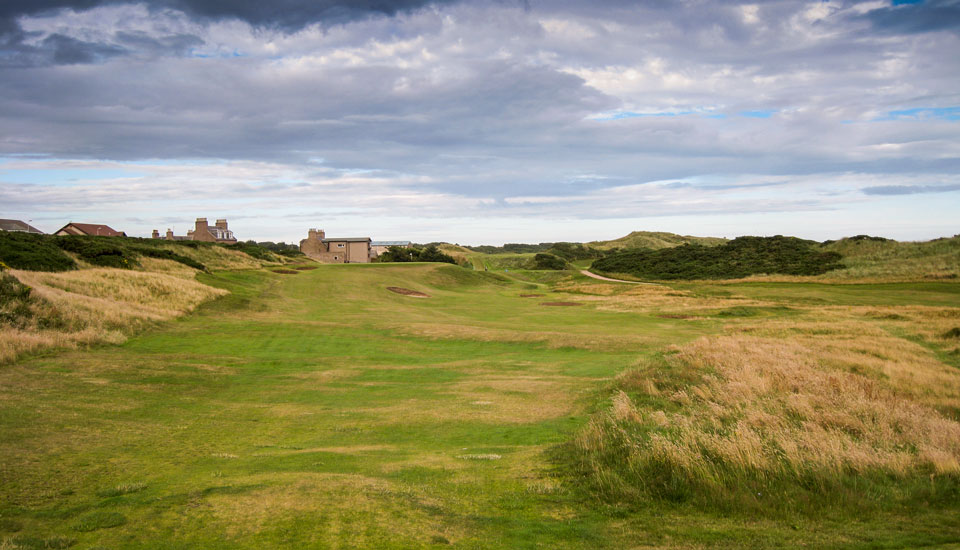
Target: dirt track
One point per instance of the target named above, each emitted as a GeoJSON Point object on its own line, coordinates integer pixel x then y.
{"type": "Point", "coordinates": [602, 278]}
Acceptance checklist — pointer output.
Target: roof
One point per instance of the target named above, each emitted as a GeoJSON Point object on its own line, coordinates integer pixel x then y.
{"type": "Point", "coordinates": [346, 239]}
{"type": "Point", "coordinates": [96, 229]}
{"type": "Point", "coordinates": [17, 225]}
{"type": "Point", "coordinates": [390, 243]}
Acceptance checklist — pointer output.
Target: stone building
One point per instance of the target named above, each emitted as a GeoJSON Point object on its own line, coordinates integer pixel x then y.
{"type": "Point", "coordinates": [202, 231]}
{"type": "Point", "coordinates": [343, 250]}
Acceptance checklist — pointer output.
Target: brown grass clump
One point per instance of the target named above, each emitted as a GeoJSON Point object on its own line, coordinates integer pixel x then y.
{"type": "Point", "coordinates": [96, 305]}
{"type": "Point", "coordinates": [740, 410]}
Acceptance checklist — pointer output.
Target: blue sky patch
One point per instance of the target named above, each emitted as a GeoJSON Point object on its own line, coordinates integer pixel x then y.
{"type": "Point", "coordinates": [923, 113]}
{"type": "Point", "coordinates": [762, 113]}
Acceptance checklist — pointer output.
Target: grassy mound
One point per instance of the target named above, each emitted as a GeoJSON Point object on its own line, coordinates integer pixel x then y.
{"type": "Point", "coordinates": [741, 257]}
{"type": "Point", "coordinates": [771, 426]}
{"type": "Point", "coordinates": [878, 258]}
{"type": "Point", "coordinates": [655, 240]}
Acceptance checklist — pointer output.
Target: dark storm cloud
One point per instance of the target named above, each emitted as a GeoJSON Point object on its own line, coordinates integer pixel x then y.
{"type": "Point", "coordinates": [909, 189]}
{"type": "Point", "coordinates": [285, 14]}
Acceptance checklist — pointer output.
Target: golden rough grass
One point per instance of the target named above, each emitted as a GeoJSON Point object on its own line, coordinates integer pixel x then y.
{"type": "Point", "coordinates": [217, 257]}
{"type": "Point", "coordinates": [775, 406]}
{"type": "Point", "coordinates": [826, 390]}
{"type": "Point", "coordinates": [97, 305]}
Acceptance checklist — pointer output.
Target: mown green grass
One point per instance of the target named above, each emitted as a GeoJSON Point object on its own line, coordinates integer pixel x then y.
{"type": "Point", "coordinates": [320, 410]}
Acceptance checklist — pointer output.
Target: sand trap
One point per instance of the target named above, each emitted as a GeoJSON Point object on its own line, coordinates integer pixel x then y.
{"type": "Point", "coordinates": [531, 295]}
{"type": "Point", "coordinates": [560, 304]}
{"type": "Point", "coordinates": [285, 271]}
{"type": "Point", "coordinates": [407, 292]}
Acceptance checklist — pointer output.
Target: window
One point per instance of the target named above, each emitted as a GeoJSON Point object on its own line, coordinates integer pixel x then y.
{"type": "Point", "coordinates": [339, 245]}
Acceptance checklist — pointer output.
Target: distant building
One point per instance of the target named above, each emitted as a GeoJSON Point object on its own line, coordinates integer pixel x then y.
{"type": "Point", "coordinates": [379, 247]}
{"type": "Point", "coordinates": [17, 225]}
{"type": "Point", "coordinates": [218, 233]}
{"type": "Point", "coordinates": [89, 229]}
{"type": "Point", "coordinates": [343, 250]}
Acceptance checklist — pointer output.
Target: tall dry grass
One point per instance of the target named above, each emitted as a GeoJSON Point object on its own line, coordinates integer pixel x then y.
{"type": "Point", "coordinates": [736, 413]}
{"type": "Point", "coordinates": [100, 305]}
{"type": "Point", "coordinates": [816, 399]}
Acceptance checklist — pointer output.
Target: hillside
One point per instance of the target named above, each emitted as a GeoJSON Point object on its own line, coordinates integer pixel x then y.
{"type": "Point", "coordinates": [883, 259]}
{"type": "Point", "coordinates": [655, 240]}
{"type": "Point", "coordinates": [85, 291]}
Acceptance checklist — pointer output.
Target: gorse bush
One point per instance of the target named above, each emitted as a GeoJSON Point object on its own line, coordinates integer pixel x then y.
{"type": "Point", "coordinates": [99, 251]}
{"type": "Point", "coordinates": [413, 254]}
{"type": "Point", "coordinates": [741, 257]}
{"type": "Point", "coordinates": [33, 252]}
{"type": "Point", "coordinates": [575, 251]}
{"type": "Point", "coordinates": [548, 261]}
{"type": "Point", "coordinates": [14, 300]}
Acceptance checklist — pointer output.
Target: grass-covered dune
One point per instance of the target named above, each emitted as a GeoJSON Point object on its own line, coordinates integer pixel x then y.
{"type": "Point", "coordinates": [654, 240]}
{"type": "Point", "coordinates": [432, 406]}
{"type": "Point", "coordinates": [64, 292]}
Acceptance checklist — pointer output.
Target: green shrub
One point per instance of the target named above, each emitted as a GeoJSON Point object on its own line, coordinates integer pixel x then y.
{"type": "Point", "coordinates": [413, 254]}
{"type": "Point", "coordinates": [575, 251]}
{"type": "Point", "coordinates": [548, 261]}
{"type": "Point", "coordinates": [99, 251]}
{"type": "Point", "coordinates": [14, 300]}
{"type": "Point", "coordinates": [33, 252]}
{"type": "Point", "coordinates": [741, 257]}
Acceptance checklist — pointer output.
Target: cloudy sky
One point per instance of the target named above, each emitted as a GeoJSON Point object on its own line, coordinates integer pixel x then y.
{"type": "Point", "coordinates": [483, 121]}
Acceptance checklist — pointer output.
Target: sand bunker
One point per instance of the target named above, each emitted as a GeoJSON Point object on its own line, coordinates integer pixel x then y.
{"type": "Point", "coordinates": [285, 271]}
{"type": "Point", "coordinates": [407, 292]}
{"type": "Point", "coordinates": [531, 295]}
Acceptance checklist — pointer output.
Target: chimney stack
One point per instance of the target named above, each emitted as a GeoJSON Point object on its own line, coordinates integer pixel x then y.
{"type": "Point", "coordinates": [201, 225]}
{"type": "Point", "coordinates": [222, 224]}
{"type": "Point", "coordinates": [169, 234]}
{"type": "Point", "coordinates": [155, 235]}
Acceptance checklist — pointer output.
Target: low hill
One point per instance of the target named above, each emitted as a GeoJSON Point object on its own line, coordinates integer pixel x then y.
{"type": "Point", "coordinates": [655, 240]}
{"type": "Point", "coordinates": [866, 257]}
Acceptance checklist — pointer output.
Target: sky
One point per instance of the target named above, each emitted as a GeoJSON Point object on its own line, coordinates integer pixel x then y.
{"type": "Point", "coordinates": [483, 122]}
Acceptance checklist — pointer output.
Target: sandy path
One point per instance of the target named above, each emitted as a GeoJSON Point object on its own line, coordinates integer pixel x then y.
{"type": "Point", "coordinates": [602, 278]}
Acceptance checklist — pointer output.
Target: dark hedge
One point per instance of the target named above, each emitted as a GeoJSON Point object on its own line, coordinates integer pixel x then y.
{"type": "Point", "coordinates": [741, 257]}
